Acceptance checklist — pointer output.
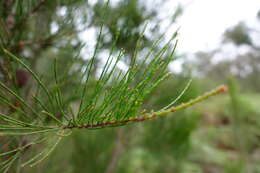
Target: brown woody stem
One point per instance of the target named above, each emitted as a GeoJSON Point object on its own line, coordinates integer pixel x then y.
{"type": "Point", "coordinates": [147, 116]}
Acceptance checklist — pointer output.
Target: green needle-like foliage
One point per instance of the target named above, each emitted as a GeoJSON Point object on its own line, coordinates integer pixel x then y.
{"type": "Point", "coordinates": [112, 98]}
{"type": "Point", "coordinates": [115, 101]}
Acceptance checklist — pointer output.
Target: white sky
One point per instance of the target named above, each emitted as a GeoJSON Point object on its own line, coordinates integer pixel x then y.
{"type": "Point", "coordinates": [204, 21]}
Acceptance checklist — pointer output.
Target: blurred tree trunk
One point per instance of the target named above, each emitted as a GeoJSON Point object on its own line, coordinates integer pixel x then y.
{"type": "Point", "coordinates": [117, 150]}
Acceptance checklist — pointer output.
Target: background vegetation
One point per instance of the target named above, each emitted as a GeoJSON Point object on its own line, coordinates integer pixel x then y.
{"type": "Point", "coordinates": [219, 135]}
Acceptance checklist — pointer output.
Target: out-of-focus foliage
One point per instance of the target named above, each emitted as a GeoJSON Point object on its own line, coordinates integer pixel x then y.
{"type": "Point", "coordinates": [238, 35]}
{"type": "Point", "coordinates": [244, 64]}
{"type": "Point", "coordinates": [124, 21]}
{"type": "Point", "coordinates": [230, 129]}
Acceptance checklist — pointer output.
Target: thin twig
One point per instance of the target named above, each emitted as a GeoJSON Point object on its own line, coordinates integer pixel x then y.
{"type": "Point", "coordinates": [152, 115]}
{"type": "Point", "coordinates": [37, 7]}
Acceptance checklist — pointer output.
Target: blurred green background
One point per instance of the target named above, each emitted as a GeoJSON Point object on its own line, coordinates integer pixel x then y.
{"type": "Point", "coordinates": [219, 135]}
